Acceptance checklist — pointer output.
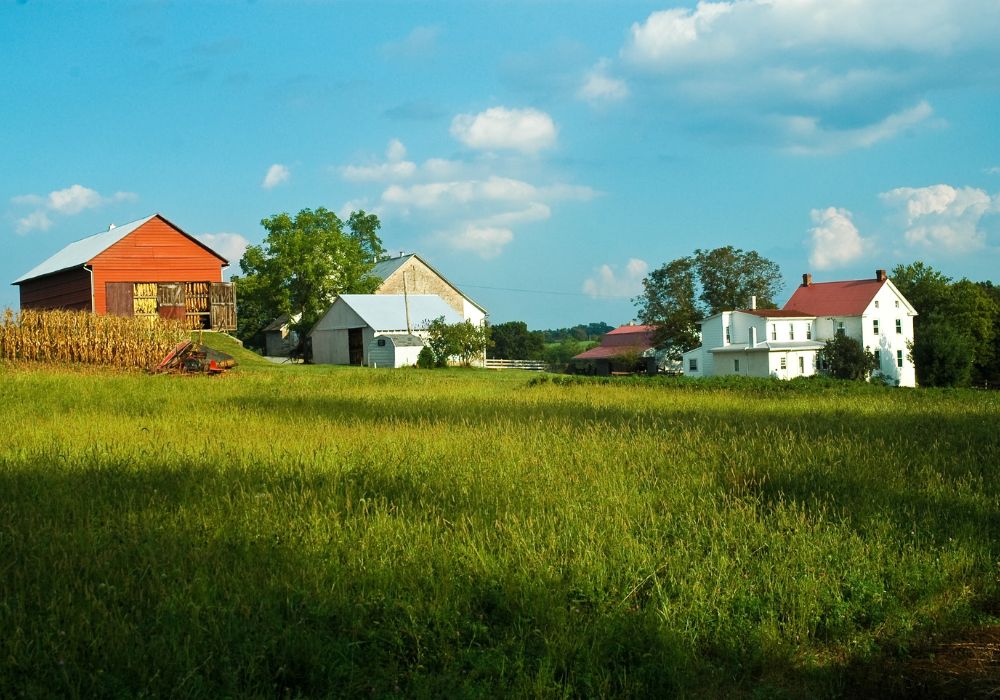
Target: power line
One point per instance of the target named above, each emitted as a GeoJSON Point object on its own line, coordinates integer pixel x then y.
{"type": "Point", "coordinates": [543, 291]}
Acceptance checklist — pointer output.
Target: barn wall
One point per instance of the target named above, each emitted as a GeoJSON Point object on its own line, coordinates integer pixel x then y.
{"type": "Point", "coordinates": [329, 347]}
{"type": "Point", "coordinates": [420, 279]}
{"type": "Point", "coordinates": [64, 290]}
{"type": "Point", "coordinates": [154, 252]}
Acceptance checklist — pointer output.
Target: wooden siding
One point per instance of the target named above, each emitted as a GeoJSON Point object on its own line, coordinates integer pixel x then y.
{"type": "Point", "coordinates": [154, 252]}
{"type": "Point", "coordinates": [69, 289]}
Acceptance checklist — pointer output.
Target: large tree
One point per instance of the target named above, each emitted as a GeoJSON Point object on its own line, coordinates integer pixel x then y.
{"type": "Point", "coordinates": [303, 262]}
{"type": "Point", "coordinates": [513, 341]}
{"type": "Point", "coordinates": [681, 292]}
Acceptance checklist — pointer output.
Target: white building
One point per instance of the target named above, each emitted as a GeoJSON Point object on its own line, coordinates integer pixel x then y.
{"type": "Point", "coordinates": [784, 342]}
{"type": "Point", "coordinates": [344, 334]}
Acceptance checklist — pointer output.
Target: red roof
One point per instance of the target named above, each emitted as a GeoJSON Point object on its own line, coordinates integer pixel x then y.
{"type": "Point", "coordinates": [835, 298]}
{"type": "Point", "coordinates": [777, 313]}
{"type": "Point", "coordinates": [620, 341]}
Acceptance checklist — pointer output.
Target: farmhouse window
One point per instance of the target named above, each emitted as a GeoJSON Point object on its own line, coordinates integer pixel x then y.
{"type": "Point", "coordinates": [899, 326]}
{"type": "Point", "coordinates": [876, 303]}
{"type": "Point", "coordinates": [693, 364]}
{"type": "Point", "coordinates": [727, 335]}
{"type": "Point", "coordinates": [875, 326]}
{"type": "Point", "coordinates": [791, 331]}
{"type": "Point", "coordinates": [774, 331]}
{"type": "Point", "coordinates": [784, 363]}
{"type": "Point", "coordinates": [899, 358]}
{"type": "Point", "coordinates": [802, 365]}
{"type": "Point", "coordinates": [809, 331]}
{"type": "Point", "coordinates": [840, 328]}
{"type": "Point", "coordinates": [897, 303]}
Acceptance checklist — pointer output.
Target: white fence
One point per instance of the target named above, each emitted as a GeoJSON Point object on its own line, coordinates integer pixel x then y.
{"type": "Point", "coordinates": [533, 365]}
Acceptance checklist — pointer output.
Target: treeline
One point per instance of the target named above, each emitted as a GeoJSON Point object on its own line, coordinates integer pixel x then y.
{"type": "Point", "coordinates": [513, 341]}
{"type": "Point", "coordinates": [955, 336]}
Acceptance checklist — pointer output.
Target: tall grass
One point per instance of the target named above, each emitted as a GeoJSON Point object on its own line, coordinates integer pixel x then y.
{"type": "Point", "coordinates": [314, 532]}
{"type": "Point", "coordinates": [82, 337]}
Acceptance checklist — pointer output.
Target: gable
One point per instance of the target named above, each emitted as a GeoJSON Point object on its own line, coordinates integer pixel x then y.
{"type": "Point", "coordinates": [158, 242]}
{"type": "Point", "coordinates": [421, 278]}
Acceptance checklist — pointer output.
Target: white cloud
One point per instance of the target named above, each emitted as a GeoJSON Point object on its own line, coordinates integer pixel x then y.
{"type": "Point", "coordinates": [231, 246]}
{"type": "Point", "coordinates": [276, 175]}
{"type": "Point", "coordinates": [995, 170]}
{"type": "Point", "coordinates": [608, 281]}
{"type": "Point", "coordinates": [420, 42]}
{"type": "Point", "coordinates": [944, 218]}
{"type": "Point", "coordinates": [35, 221]}
{"type": "Point", "coordinates": [484, 241]}
{"type": "Point", "coordinates": [66, 202]}
{"type": "Point", "coordinates": [808, 137]}
{"type": "Point", "coordinates": [598, 87]}
{"type": "Point", "coordinates": [835, 239]}
{"type": "Point", "coordinates": [499, 128]}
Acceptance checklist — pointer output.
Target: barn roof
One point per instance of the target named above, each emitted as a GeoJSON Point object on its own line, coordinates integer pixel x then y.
{"type": "Point", "coordinates": [385, 268]}
{"type": "Point", "coordinates": [849, 298]}
{"type": "Point", "coordinates": [86, 249]}
{"type": "Point", "coordinates": [622, 340]}
{"type": "Point", "coordinates": [387, 312]}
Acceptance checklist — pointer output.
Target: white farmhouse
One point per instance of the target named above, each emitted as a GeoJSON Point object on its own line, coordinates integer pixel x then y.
{"type": "Point", "coordinates": [784, 342]}
{"type": "Point", "coordinates": [344, 334]}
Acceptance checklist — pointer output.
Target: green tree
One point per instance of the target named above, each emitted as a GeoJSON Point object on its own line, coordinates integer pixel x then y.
{"type": "Point", "coordinates": [843, 357]}
{"type": "Point", "coordinates": [683, 291]}
{"type": "Point", "coordinates": [303, 262]}
{"type": "Point", "coordinates": [941, 353]}
{"type": "Point", "coordinates": [513, 341]}
{"type": "Point", "coordinates": [465, 340]}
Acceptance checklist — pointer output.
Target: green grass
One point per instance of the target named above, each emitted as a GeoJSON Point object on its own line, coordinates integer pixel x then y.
{"type": "Point", "coordinates": [313, 531]}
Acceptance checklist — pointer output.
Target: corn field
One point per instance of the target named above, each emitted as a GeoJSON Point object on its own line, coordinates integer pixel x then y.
{"type": "Point", "coordinates": [83, 337]}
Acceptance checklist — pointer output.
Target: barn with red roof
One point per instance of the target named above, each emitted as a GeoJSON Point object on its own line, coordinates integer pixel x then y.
{"type": "Point", "coordinates": [620, 350]}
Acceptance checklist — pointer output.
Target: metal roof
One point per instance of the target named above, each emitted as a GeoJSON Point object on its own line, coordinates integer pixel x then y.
{"type": "Point", "coordinates": [387, 312]}
{"type": "Point", "coordinates": [82, 251]}
{"type": "Point", "coordinates": [403, 340]}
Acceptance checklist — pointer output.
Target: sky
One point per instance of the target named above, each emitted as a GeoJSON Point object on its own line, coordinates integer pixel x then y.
{"type": "Point", "coordinates": [544, 156]}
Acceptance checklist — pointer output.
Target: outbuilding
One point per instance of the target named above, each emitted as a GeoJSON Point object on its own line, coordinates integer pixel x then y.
{"type": "Point", "coordinates": [344, 334]}
{"type": "Point", "coordinates": [148, 267]}
{"type": "Point", "coordinates": [395, 350]}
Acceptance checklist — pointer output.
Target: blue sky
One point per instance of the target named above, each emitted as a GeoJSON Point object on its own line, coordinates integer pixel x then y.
{"type": "Point", "coordinates": [563, 148]}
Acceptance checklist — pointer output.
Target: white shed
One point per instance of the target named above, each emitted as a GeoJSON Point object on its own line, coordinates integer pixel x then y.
{"type": "Point", "coordinates": [345, 332]}
{"type": "Point", "coordinates": [394, 350]}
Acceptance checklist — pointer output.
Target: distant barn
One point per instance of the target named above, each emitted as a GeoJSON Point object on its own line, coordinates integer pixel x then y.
{"type": "Point", "coordinates": [148, 267]}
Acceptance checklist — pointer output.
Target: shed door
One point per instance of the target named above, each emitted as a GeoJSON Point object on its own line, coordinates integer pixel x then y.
{"type": "Point", "coordinates": [170, 301]}
{"type": "Point", "coordinates": [223, 300]}
{"type": "Point", "coordinates": [118, 298]}
{"type": "Point", "coordinates": [355, 346]}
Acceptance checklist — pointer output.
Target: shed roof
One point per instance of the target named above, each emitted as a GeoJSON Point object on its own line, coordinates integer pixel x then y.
{"type": "Point", "coordinates": [848, 298]}
{"type": "Point", "coordinates": [402, 340]}
{"type": "Point", "coordinates": [81, 252]}
{"type": "Point", "coordinates": [387, 312]}
{"type": "Point", "coordinates": [620, 341]}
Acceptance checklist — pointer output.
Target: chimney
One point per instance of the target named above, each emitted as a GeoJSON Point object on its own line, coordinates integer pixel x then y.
{"type": "Point", "coordinates": [807, 279]}
{"type": "Point", "coordinates": [753, 303]}
{"type": "Point", "coordinates": [880, 275]}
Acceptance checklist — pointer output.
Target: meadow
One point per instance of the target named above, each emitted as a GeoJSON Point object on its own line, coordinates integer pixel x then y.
{"type": "Point", "coordinates": [312, 531]}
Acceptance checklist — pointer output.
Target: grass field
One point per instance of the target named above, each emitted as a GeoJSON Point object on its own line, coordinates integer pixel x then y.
{"type": "Point", "coordinates": [308, 531]}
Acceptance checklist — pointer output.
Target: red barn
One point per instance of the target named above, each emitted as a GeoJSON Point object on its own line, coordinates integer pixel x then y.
{"type": "Point", "coordinates": [148, 267]}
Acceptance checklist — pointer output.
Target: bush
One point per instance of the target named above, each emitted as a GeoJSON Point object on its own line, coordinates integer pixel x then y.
{"type": "Point", "coordinates": [425, 360]}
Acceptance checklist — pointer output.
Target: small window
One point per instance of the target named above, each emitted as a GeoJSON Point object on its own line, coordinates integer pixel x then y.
{"type": "Point", "coordinates": [875, 326]}
{"type": "Point", "coordinates": [791, 331]}
{"type": "Point", "coordinates": [784, 363]}
{"type": "Point", "coordinates": [809, 331]}
{"type": "Point", "coordinates": [802, 365]}
{"type": "Point", "coordinates": [899, 326]}
{"type": "Point", "coordinates": [727, 335]}
{"type": "Point", "coordinates": [774, 331]}
{"type": "Point", "coordinates": [736, 365]}
{"type": "Point", "coordinates": [899, 358]}
{"type": "Point", "coordinates": [897, 303]}
{"type": "Point", "coordinates": [840, 328]}
{"type": "Point", "coordinates": [693, 364]}
{"type": "Point", "coordinates": [876, 303]}
{"type": "Point", "coordinates": [381, 342]}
